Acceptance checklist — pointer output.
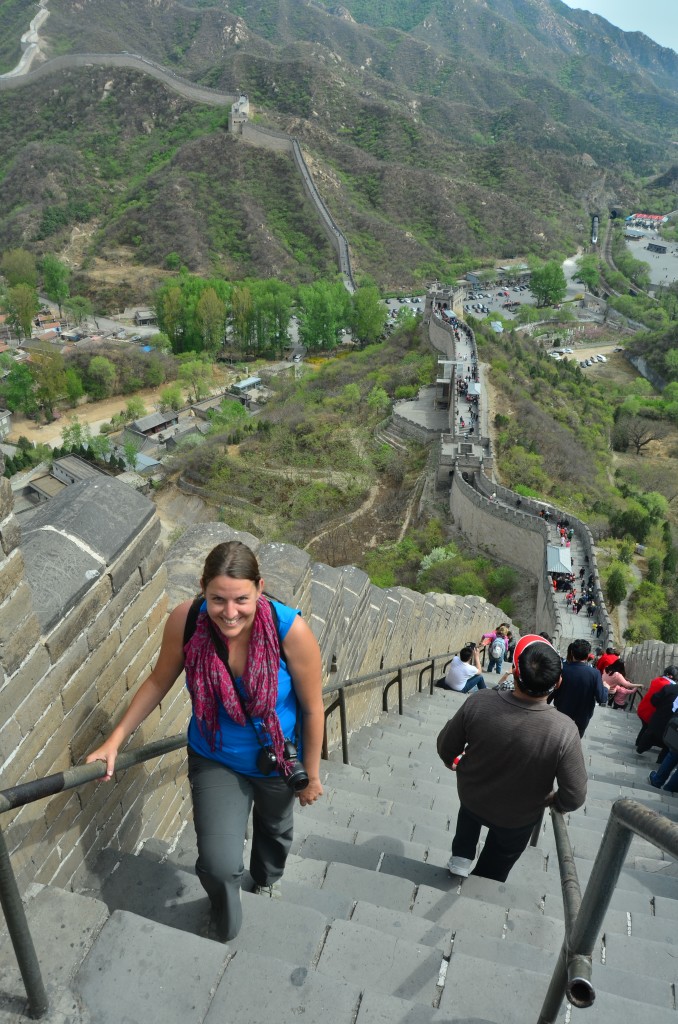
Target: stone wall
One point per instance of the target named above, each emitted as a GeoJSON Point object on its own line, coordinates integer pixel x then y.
{"type": "Point", "coordinates": [648, 660]}
{"type": "Point", "coordinates": [83, 602]}
{"type": "Point", "coordinates": [280, 142]}
{"type": "Point", "coordinates": [83, 599]}
{"type": "Point", "coordinates": [512, 537]}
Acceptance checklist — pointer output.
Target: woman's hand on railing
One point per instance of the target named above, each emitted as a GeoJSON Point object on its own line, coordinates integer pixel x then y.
{"type": "Point", "coordinates": [107, 753]}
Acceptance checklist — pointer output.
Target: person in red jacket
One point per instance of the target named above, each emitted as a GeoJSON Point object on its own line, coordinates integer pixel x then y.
{"type": "Point", "coordinates": [606, 659]}
{"type": "Point", "coordinates": [646, 708]}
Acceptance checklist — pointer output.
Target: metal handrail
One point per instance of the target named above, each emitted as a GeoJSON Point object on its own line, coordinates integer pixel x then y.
{"type": "Point", "coordinates": [396, 675]}
{"type": "Point", "coordinates": [584, 915]}
{"type": "Point", "coordinates": [71, 778]}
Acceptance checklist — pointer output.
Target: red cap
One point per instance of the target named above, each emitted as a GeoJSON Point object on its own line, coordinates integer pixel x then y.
{"type": "Point", "coordinates": [525, 641]}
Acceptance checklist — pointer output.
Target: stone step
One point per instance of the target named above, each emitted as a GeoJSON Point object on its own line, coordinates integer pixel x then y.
{"type": "Point", "coordinates": [389, 963]}
{"type": "Point", "coordinates": [63, 926]}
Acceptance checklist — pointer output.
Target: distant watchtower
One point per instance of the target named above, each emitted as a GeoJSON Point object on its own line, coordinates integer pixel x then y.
{"type": "Point", "coordinates": [238, 114]}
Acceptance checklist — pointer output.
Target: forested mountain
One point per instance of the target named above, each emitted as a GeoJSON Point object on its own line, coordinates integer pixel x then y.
{"type": "Point", "coordinates": [438, 131]}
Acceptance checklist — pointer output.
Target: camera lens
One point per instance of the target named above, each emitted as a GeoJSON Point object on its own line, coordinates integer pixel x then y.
{"type": "Point", "coordinates": [297, 779]}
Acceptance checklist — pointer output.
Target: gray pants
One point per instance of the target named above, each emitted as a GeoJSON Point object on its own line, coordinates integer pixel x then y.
{"type": "Point", "coordinates": [222, 800]}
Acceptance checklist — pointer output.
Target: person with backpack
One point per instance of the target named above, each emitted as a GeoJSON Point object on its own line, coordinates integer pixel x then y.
{"type": "Point", "coordinates": [254, 675]}
{"type": "Point", "coordinates": [497, 645]}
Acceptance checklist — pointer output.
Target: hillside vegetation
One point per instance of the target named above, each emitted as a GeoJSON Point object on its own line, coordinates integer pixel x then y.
{"type": "Point", "coordinates": [439, 135]}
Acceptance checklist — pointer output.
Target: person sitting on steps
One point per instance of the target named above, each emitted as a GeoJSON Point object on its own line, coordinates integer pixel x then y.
{"type": "Point", "coordinates": [464, 673]}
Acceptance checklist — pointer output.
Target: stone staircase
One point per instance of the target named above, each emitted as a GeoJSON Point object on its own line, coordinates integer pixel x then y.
{"type": "Point", "coordinates": [371, 928]}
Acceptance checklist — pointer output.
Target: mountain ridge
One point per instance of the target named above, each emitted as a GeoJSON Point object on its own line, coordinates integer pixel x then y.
{"type": "Point", "coordinates": [432, 151]}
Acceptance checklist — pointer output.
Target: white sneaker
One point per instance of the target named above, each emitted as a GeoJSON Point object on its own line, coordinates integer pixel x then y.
{"type": "Point", "coordinates": [273, 891]}
{"type": "Point", "coordinates": [459, 866]}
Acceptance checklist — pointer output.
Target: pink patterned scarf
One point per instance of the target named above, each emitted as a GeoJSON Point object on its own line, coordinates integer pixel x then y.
{"type": "Point", "coordinates": [209, 681]}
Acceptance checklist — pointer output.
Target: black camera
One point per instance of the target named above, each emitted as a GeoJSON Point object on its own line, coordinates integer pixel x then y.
{"type": "Point", "coordinates": [296, 778]}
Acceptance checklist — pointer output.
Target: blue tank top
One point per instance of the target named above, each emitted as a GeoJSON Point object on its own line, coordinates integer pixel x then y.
{"type": "Point", "coordinates": [237, 746]}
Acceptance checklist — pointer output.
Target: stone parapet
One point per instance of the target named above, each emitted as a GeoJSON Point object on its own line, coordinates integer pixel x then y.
{"type": "Point", "coordinates": [648, 660]}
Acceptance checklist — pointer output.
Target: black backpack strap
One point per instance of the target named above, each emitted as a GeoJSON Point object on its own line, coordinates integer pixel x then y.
{"type": "Point", "coordinates": [192, 618]}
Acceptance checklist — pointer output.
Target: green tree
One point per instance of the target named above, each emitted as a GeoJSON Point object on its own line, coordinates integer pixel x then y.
{"type": "Point", "coordinates": [616, 587]}
{"type": "Point", "coordinates": [588, 272]}
{"type": "Point", "coordinates": [324, 308]}
{"type": "Point", "coordinates": [548, 285]}
{"type": "Point", "coordinates": [671, 361]}
{"type": "Point", "coordinates": [22, 305]}
{"type": "Point", "coordinates": [101, 377]}
{"type": "Point", "coordinates": [75, 389]}
{"type": "Point", "coordinates": [211, 315]}
{"type": "Point", "coordinates": [18, 390]}
{"type": "Point", "coordinates": [160, 342]}
{"type": "Point", "coordinates": [669, 628]}
{"type": "Point", "coordinates": [79, 308]}
{"type": "Point", "coordinates": [49, 373]}
{"type": "Point", "coordinates": [243, 316]}
{"type": "Point", "coordinates": [169, 307]}
{"type": "Point", "coordinates": [75, 435]}
{"type": "Point", "coordinates": [101, 447]}
{"type": "Point", "coordinates": [171, 397]}
{"type": "Point", "coordinates": [55, 277]}
{"type": "Point", "coordinates": [378, 400]}
{"type": "Point", "coordinates": [134, 409]}
{"type": "Point", "coordinates": [368, 314]}
{"type": "Point", "coordinates": [197, 377]}
{"type": "Point", "coordinates": [131, 453]}
{"type": "Point", "coordinates": [18, 267]}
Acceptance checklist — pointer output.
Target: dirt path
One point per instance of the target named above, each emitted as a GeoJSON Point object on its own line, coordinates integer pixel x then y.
{"type": "Point", "coordinates": [94, 413]}
{"type": "Point", "coordinates": [364, 508]}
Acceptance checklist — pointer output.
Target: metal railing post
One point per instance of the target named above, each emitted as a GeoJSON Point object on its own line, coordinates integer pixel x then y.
{"type": "Point", "coordinates": [400, 691]}
{"type": "Point", "coordinates": [595, 901]}
{"type": "Point", "coordinates": [344, 726]}
{"type": "Point", "coordinates": [17, 925]}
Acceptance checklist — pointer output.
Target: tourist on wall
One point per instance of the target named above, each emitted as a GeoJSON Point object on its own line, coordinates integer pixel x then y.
{"type": "Point", "coordinates": [516, 746]}
{"type": "Point", "coordinates": [253, 671]}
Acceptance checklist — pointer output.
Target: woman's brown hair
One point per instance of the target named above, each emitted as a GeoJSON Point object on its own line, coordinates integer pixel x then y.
{"type": "Point", "coordinates": [233, 559]}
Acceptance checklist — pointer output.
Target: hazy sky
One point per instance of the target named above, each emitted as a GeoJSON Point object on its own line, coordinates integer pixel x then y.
{"type": "Point", "coordinates": [658, 19]}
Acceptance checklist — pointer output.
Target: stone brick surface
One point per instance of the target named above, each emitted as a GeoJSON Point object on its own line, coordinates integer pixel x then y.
{"type": "Point", "coordinates": [134, 553]}
{"type": "Point", "coordinates": [141, 605]}
{"type": "Point", "coordinates": [11, 572]}
{"type": "Point", "coordinates": [109, 615]}
{"type": "Point", "coordinates": [19, 644]}
{"type": "Point", "coordinates": [78, 618]}
{"type": "Point", "coordinates": [90, 671]}
{"type": "Point", "coordinates": [10, 535]}
{"type": "Point", "coordinates": [153, 563]}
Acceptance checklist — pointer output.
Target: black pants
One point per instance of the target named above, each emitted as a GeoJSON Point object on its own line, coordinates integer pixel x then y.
{"type": "Point", "coordinates": [503, 846]}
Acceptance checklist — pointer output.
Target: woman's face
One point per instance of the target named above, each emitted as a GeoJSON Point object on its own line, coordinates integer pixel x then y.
{"type": "Point", "coordinates": [232, 603]}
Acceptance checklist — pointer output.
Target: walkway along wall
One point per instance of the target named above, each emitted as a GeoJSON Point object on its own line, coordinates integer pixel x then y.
{"type": "Point", "coordinates": [83, 599]}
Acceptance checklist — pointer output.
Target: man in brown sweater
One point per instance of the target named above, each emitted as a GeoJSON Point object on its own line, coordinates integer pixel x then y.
{"type": "Point", "coordinates": [515, 747]}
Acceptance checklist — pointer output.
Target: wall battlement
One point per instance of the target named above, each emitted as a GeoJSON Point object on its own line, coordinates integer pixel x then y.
{"type": "Point", "coordinates": [84, 594]}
